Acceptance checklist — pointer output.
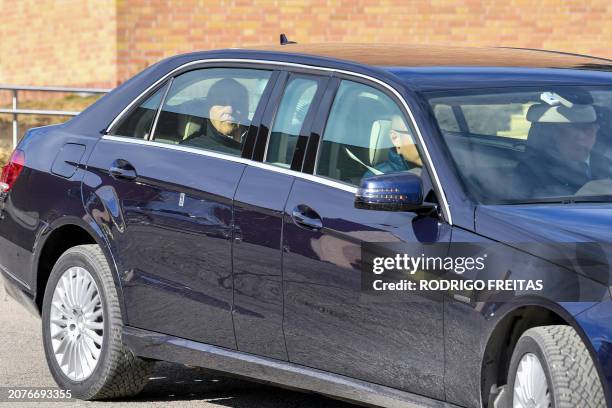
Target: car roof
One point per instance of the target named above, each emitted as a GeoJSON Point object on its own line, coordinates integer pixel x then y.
{"type": "Point", "coordinates": [414, 67]}
{"type": "Point", "coordinates": [429, 67]}
{"type": "Point", "coordinates": [404, 55]}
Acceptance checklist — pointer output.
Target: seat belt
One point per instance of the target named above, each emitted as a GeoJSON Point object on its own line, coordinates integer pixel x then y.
{"type": "Point", "coordinates": [375, 171]}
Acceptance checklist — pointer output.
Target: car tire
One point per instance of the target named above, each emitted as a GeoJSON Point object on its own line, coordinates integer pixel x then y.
{"type": "Point", "coordinates": [83, 344]}
{"type": "Point", "coordinates": [551, 366]}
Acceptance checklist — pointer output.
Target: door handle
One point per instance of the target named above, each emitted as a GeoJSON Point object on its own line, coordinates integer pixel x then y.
{"type": "Point", "coordinates": [122, 169]}
{"type": "Point", "coordinates": [306, 217]}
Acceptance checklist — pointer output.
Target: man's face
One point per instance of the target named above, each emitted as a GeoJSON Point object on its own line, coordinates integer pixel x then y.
{"type": "Point", "coordinates": [224, 118]}
{"type": "Point", "coordinates": [575, 140]}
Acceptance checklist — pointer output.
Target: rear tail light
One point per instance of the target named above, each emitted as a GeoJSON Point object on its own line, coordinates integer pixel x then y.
{"type": "Point", "coordinates": [11, 170]}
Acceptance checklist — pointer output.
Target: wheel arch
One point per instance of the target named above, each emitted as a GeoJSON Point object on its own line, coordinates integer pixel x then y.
{"type": "Point", "coordinates": [59, 236]}
{"type": "Point", "coordinates": [513, 322]}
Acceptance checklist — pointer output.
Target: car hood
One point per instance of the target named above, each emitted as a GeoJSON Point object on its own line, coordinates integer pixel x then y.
{"type": "Point", "coordinates": [546, 223]}
{"type": "Point", "coordinates": [575, 236]}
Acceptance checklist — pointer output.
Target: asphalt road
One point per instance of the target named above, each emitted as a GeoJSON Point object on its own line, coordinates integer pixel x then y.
{"type": "Point", "coordinates": [22, 364]}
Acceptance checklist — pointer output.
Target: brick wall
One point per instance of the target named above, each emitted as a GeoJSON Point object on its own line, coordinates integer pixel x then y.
{"type": "Point", "coordinates": [103, 42]}
{"type": "Point", "coordinates": [63, 43]}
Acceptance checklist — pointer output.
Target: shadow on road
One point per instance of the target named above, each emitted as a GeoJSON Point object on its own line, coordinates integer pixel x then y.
{"type": "Point", "coordinates": [172, 382]}
{"type": "Point", "coordinates": [170, 385]}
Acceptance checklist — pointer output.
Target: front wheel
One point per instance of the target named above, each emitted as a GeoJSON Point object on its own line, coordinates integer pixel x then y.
{"type": "Point", "coordinates": [551, 367]}
{"type": "Point", "coordinates": [82, 329]}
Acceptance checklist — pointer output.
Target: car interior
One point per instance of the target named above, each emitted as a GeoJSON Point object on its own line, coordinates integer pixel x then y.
{"type": "Point", "coordinates": [489, 162]}
{"type": "Point", "coordinates": [185, 110]}
{"type": "Point", "coordinates": [357, 139]}
{"type": "Point", "coordinates": [179, 122]}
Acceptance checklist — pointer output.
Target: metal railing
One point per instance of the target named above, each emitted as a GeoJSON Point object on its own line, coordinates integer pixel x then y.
{"type": "Point", "coordinates": [15, 111]}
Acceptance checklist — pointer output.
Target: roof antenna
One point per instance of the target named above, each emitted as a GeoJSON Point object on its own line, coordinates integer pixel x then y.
{"type": "Point", "coordinates": [285, 41]}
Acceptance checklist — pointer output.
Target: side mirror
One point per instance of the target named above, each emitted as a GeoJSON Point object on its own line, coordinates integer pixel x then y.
{"type": "Point", "coordinates": [393, 192]}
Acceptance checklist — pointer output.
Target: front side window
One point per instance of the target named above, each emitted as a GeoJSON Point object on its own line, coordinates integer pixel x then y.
{"type": "Point", "coordinates": [211, 108]}
{"type": "Point", "coordinates": [366, 135]}
{"type": "Point", "coordinates": [289, 120]}
{"type": "Point", "coordinates": [542, 144]}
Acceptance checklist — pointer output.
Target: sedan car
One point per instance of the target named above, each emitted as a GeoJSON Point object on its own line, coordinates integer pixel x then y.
{"type": "Point", "coordinates": [216, 210]}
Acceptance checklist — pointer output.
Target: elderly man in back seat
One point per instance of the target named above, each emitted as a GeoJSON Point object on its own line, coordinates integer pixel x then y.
{"type": "Point", "coordinates": [224, 131]}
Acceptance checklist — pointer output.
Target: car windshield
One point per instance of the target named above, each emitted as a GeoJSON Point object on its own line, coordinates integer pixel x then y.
{"type": "Point", "coordinates": [527, 145]}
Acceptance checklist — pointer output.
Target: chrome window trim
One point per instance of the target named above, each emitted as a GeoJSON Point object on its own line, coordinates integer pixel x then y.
{"type": "Point", "coordinates": [318, 179]}
{"type": "Point", "coordinates": [280, 101]}
{"type": "Point", "coordinates": [235, 159]}
{"type": "Point", "coordinates": [159, 109]}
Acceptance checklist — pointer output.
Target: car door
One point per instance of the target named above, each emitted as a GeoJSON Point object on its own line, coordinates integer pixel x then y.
{"type": "Point", "coordinates": [329, 322]}
{"type": "Point", "coordinates": [258, 213]}
{"type": "Point", "coordinates": [165, 202]}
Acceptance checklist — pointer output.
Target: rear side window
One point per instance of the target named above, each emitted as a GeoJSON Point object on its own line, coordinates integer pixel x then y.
{"type": "Point", "coordinates": [289, 120]}
{"type": "Point", "coordinates": [139, 122]}
{"type": "Point", "coordinates": [211, 108]}
{"type": "Point", "coordinates": [366, 135]}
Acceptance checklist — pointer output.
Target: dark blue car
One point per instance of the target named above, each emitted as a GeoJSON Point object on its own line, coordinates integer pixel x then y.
{"type": "Point", "coordinates": [215, 210]}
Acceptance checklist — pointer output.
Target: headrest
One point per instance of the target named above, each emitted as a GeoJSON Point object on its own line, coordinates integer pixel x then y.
{"type": "Point", "coordinates": [558, 109]}
{"type": "Point", "coordinates": [544, 113]}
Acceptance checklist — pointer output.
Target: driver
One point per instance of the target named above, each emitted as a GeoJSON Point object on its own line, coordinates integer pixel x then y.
{"type": "Point", "coordinates": [227, 102]}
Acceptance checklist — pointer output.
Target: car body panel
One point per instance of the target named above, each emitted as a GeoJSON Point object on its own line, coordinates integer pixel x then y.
{"type": "Point", "coordinates": [430, 55]}
{"type": "Point", "coordinates": [258, 286]}
{"type": "Point", "coordinates": [555, 222]}
{"type": "Point", "coordinates": [171, 235]}
{"type": "Point", "coordinates": [595, 323]}
{"type": "Point", "coordinates": [293, 376]}
{"type": "Point", "coordinates": [430, 79]}
{"type": "Point", "coordinates": [330, 321]}
{"type": "Point", "coordinates": [34, 203]}
{"type": "Point", "coordinates": [469, 325]}
{"type": "Point", "coordinates": [549, 232]}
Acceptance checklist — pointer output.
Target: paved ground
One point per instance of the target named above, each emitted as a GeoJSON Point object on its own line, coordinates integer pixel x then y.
{"type": "Point", "coordinates": [22, 364]}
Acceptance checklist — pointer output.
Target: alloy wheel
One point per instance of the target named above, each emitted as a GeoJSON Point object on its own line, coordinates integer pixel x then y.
{"type": "Point", "coordinates": [77, 323]}
{"type": "Point", "coordinates": [531, 388]}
